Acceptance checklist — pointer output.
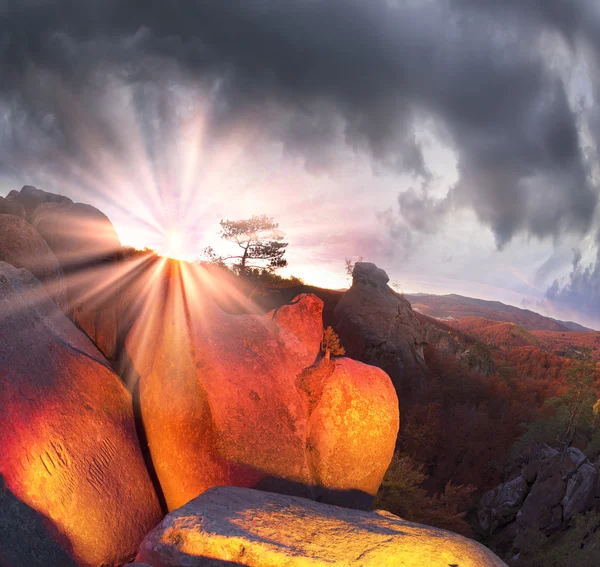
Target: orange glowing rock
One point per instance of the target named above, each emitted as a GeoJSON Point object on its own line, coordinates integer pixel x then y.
{"type": "Point", "coordinates": [225, 400]}
{"type": "Point", "coordinates": [236, 526]}
{"type": "Point", "coordinates": [75, 486]}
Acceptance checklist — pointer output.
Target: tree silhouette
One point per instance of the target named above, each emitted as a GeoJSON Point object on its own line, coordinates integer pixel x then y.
{"type": "Point", "coordinates": [259, 240]}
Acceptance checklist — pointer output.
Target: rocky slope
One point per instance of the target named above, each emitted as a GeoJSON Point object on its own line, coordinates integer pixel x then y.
{"type": "Point", "coordinates": [545, 494]}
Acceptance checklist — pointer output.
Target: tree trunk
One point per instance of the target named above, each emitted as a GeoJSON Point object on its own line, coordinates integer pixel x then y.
{"type": "Point", "coordinates": [242, 273]}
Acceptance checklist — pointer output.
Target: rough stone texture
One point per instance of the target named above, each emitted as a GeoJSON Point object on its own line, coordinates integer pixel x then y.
{"type": "Point", "coordinates": [11, 207]}
{"type": "Point", "coordinates": [553, 487]}
{"type": "Point", "coordinates": [478, 360]}
{"type": "Point", "coordinates": [232, 400]}
{"type": "Point", "coordinates": [82, 238]}
{"type": "Point", "coordinates": [579, 496]}
{"type": "Point", "coordinates": [442, 341]}
{"type": "Point", "coordinates": [235, 526]}
{"type": "Point", "coordinates": [351, 424]}
{"type": "Point", "coordinates": [23, 247]}
{"type": "Point", "coordinates": [76, 489]}
{"type": "Point", "coordinates": [542, 498]}
{"type": "Point", "coordinates": [499, 506]}
{"type": "Point", "coordinates": [30, 198]}
{"type": "Point", "coordinates": [378, 327]}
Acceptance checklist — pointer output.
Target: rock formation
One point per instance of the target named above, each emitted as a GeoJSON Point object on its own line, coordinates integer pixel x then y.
{"type": "Point", "coordinates": [76, 489]}
{"type": "Point", "coordinates": [78, 233]}
{"type": "Point", "coordinates": [442, 341]}
{"type": "Point", "coordinates": [552, 487]}
{"type": "Point", "coordinates": [377, 326]}
{"type": "Point", "coordinates": [82, 238]}
{"type": "Point", "coordinates": [236, 400]}
{"type": "Point", "coordinates": [29, 198]}
{"type": "Point", "coordinates": [236, 526]}
{"type": "Point", "coordinates": [22, 247]}
{"type": "Point", "coordinates": [11, 207]}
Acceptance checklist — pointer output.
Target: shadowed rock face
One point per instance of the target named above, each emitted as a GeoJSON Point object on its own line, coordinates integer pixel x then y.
{"type": "Point", "coordinates": [11, 207]}
{"type": "Point", "coordinates": [23, 247]}
{"type": "Point", "coordinates": [553, 487]}
{"type": "Point", "coordinates": [69, 455]}
{"type": "Point", "coordinates": [377, 326]}
{"type": "Point", "coordinates": [234, 400]}
{"type": "Point", "coordinates": [81, 237]}
{"type": "Point", "coordinates": [30, 198]}
{"type": "Point", "coordinates": [234, 526]}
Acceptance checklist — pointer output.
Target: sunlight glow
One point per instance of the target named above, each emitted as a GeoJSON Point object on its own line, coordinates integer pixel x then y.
{"type": "Point", "coordinates": [175, 242]}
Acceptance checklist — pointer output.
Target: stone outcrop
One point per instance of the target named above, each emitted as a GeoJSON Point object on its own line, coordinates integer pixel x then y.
{"type": "Point", "coordinates": [442, 341]}
{"type": "Point", "coordinates": [11, 207]}
{"type": "Point", "coordinates": [235, 526]}
{"type": "Point", "coordinates": [478, 359]}
{"type": "Point", "coordinates": [78, 233]}
{"type": "Point", "coordinates": [82, 238]}
{"type": "Point", "coordinates": [377, 326]}
{"type": "Point", "coordinates": [29, 198]}
{"type": "Point", "coordinates": [239, 400]}
{"type": "Point", "coordinates": [75, 486]}
{"type": "Point", "coordinates": [552, 487]}
{"type": "Point", "coordinates": [22, 247]}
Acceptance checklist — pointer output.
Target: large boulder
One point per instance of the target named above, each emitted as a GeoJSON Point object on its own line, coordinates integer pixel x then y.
{"type": "Point", "coordinates": [30, 198]}
{"type": "Point", "coordinates": [236, 400]}
{"type": "Point", "coordinates": [11, 207]}
{"type": "Point", "coordinates": [23, 247]}
{"type": "Point", "coordinates": [500, 505]}
{"type": "Point", "coordinates": [85, 243]}
{"type": "Point", "coordinates": [377, 326]}
{"type": "Point", "coordinates": [78, 233]}
{"type": "Point", "coordinates": [235, 526]}
{"type": "Point", "coordinates": [75, 486]}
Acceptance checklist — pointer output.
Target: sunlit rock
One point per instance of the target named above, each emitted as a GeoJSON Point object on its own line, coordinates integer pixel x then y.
{"type": "Point", "coordinates": [225, 400]}
{"type": "Point", "coordinates": [84, 241]}
{"type": "Point", "coordinates": [23, 247]}
{"type": "Point", "coordinates": [257, 529]}
{"type": "Point", "coordinates": [352, 425]}
{"type": "Point", "coordinates": [377, 326]}
{"type": "Point", "coordinates": [75, 486]}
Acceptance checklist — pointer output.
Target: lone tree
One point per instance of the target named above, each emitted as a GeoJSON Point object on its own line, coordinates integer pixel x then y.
{"type": "Point", "coordinates": [259, 240]}
{"type": "Point", "coordinates": [331, 344]}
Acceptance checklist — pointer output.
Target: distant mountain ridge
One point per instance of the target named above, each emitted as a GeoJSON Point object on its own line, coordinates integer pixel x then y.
{"type": "Point", "coordinates": [455, 306]}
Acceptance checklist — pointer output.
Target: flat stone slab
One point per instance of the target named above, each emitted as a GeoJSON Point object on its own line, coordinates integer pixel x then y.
{"type": "Point", "coordinates": [244, 527]}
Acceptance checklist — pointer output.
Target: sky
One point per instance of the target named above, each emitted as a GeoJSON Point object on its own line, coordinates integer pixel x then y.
{"type": "Point", "coordinates": [451, 142]}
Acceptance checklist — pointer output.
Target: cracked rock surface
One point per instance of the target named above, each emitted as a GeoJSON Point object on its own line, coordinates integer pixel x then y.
{"type": "Point", "coordinates": [377, 326]}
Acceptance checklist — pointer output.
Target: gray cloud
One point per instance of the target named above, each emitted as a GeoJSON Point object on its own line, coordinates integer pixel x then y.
{"type": "Point", "coordinates": [581, 293]}
{"type": "Point", "coordinates": [366, 74]}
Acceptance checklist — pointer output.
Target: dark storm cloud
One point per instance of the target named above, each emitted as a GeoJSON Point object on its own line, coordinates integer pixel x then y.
{"type": "Point", "coordinates": [581, 293]}
{"type": "Point", "coordinates": [367, 74]}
